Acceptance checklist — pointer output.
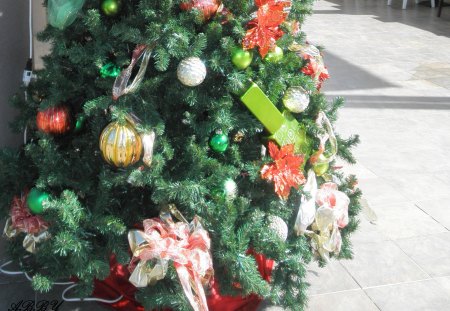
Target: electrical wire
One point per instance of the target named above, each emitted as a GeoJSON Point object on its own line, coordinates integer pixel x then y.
{"type": "Point", "coordinates": [63, 295]}
{"type": "Point", "coordinates": [30, 26]}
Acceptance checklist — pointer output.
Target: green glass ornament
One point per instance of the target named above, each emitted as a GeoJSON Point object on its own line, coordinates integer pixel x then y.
{"type": "Point", "coordinates": [109, 70]}
{"type": "Point", "coordinates": [241, 58]}
{"type": "Point", "coordinates": [321, 168]}
{"type": "Point", "coordinates": [275, 56]}
{"type": "Point", "coordinates": [219, 142]}
{"type": "Point", "coordinates": [111, 7]}
{"type": "Point", "coordinates": [62, 13]}
{"type": "Point", "coordinates": [36, 199]}
{"type": "Point", "coordinates": [79, 124]}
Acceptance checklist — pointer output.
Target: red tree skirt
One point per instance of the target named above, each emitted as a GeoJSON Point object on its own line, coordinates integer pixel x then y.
{"type": "Point", "coordinates": [116, 284]}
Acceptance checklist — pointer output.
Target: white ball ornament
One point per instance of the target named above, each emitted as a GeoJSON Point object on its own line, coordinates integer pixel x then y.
{"type": "Point", "coordinates": [296, 99]}
{"type": "Point", "coordinates": [191, 71]}
{"type": "Point", "coordinates": [231, 189]}
{"type": "Point", "coordinates": [279, 226]}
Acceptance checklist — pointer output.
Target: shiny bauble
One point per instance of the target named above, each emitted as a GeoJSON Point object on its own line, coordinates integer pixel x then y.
{"type": "Point", "coordinates": [54, 120]}
{"type": "Point", "coordinates": [219, 142]}
{"type": "Point", "coordinates": [279, 226]}
{"type": "Point", "coordinates": [230, 189]}
{"type": "Point", "coordinates": [35, 200]}
{"type": "Point", "coordinates": [191, 71]}
{"type": "Point", "coordinates": [241, 58]}
{"type": "Point", "coordinates": [274, 56]}
{"type": "Point", "coordinates": [207, 7]}
{"type": "Point", "coordinates": [109, 70]}
{"type": "Point", "coordinates": [79, 123]}
{"type": "Point", "coordinates": [322, 166]}
{"type": "Point", "coordinates": [111, 7]}
{"type": "Point", "coordinates": [296, 99]}
{"type": "Point", "coordinates": [120, 144]}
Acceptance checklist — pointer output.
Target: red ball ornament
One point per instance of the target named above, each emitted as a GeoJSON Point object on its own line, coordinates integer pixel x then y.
{"type": "Point", "coordinates": [207, 7]}
{"type": "Point", "coordinates": [54, 120]}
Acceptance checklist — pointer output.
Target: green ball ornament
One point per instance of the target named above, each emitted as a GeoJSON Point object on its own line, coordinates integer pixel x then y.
{"type": "Point", "coordinates": [79, 124]}
{"type": "Point", "coordinates": [275, 56]}
{"type": "Point", "coordinates": [321, 168]}
{"type": "Point", "coordinates": [219, 142]}
{"type": "Point", "coordinates": [111, 7]}
{"type": "Point", "coordinates": [35, 200]}
{"type": "Point", "coordinates": [241, 58]}
{"type": "Point", "coordinates": [109, 70]}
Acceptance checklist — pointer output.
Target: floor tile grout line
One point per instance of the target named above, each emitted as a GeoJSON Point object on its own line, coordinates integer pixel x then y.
{"type": "Point", "coordinates": [423, 270]}
{"type": "Point", "coordinates": [380, 286]}
{"type": "Point", "coordinates": [370, 298]}
{"type": "Point", "coordinates": [418, 206]}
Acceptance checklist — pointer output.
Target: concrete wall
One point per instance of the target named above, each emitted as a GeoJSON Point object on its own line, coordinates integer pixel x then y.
{"type": "Point", "coordinates": [14, 51]}
{"type": "Point", "coordinates": [13, 57]}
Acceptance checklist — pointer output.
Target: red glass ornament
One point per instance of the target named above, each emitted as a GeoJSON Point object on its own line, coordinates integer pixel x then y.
{"type": "Point", "coordinates": [54, 120]}
{"type": "Point", "coordinates": [207, 7]}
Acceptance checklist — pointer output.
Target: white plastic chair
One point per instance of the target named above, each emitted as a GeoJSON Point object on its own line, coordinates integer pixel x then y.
{"type": "Point", "coordinates": [405, 2]}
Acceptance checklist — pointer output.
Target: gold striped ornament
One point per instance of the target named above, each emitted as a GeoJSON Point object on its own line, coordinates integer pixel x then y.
{"type": "Point", "coordinates": [120, 144]}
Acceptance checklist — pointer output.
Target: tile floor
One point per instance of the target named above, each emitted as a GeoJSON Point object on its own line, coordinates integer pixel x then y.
{"type": "Point", "coordinates": [393, 67]}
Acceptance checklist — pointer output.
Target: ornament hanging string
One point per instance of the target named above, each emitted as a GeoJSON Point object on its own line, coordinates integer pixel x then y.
{"type": "Point", "coordinates": [121, 86]}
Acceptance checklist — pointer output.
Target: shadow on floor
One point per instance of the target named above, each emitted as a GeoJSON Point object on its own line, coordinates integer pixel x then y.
{"type": "Point", "coordinates": [397, 102]}
{"type": "Point", "coordinates": [355, 77]}
{"type": "Point", "coordinates": [418, 16]}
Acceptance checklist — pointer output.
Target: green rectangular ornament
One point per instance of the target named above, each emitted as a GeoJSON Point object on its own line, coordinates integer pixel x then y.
{"type": "Point", "coordinates": [283, 127]}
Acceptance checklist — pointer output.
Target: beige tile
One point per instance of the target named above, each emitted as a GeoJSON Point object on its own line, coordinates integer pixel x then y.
{"type": "Point", "coordinates": [382, 263]}
{"type": "Point", "coordinates": [378, 192]}
{"type": "Point", "coordinates": [419, 186]}
{"type": "Point", "coordinates": [332, 278]}
{"type": "Point", "coordinates": [417, 296]}
{"type": "Point", "coordinates": [368, 232]}
{"type": "Point", "coordinates": [444, 283]}
{"type": "Point", "coordinates": [438, 209]}
{"type": "Point", "coordinates": [431, 252]}
{"type": "Point", "coordinates": [405, 220]}
{"type": "Point", "coordinates": [354, 300]}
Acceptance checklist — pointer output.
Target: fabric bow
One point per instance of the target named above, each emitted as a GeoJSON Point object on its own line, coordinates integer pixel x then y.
{"type": "Point", "coordinates": [164, 240]}
{"type": "Point", "coordinates": [264, 30]}
{"type": "Point", "coordinates": [315, 67]}
{"type": "Point", "coordinates": [121, 86]}
{"type": "Point", "coordinates": [22, 221]}
{"type": "Point", "coordinates": [330, 215]}
{"type": "Point", "coordinates": [327, 135]}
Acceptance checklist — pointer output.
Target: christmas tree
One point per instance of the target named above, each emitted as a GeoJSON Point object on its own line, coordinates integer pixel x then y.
{"type": "Point", "coordinates": [187, 139]}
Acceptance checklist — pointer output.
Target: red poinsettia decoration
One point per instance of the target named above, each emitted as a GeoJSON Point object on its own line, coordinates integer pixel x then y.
{"type": "Point", "coordinates": [264, 30]}
{"type": "Point", "coordinates": [285, 171]}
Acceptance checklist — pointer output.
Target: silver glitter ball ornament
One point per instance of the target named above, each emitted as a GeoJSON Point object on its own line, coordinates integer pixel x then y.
{"type": "Point", "coordinates": [191, 71]}
{"type": "Point", "coordinates": [296, 99]}
{"type": "Point", "coordinates": [279, 226]}
{"type": "Point", "coordinates": [231, 189]}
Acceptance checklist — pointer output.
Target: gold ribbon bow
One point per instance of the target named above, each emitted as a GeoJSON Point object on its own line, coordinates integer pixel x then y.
{"type": "Point", "coordinates": [30, 240]}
